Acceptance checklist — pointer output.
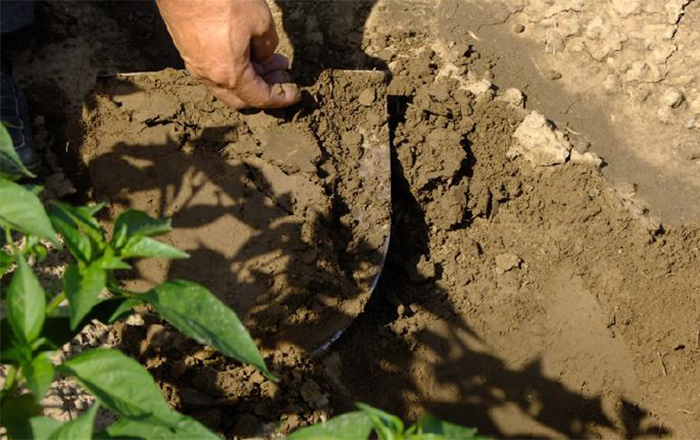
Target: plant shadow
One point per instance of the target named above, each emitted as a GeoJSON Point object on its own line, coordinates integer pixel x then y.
{"type": "Point", "coordinates": [371, 354]}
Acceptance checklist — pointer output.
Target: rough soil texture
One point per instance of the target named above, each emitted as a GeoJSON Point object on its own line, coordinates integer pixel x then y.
{"type": "Point", "coordinates": [621, 74]}
{"type": "Point", "coordinates": [285, 215]}
{"type": "Point", "coordinates": [526, 299]}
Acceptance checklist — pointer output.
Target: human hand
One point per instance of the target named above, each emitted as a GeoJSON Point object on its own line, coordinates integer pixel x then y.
{"type": "Point", "coordinates": [229, 45]}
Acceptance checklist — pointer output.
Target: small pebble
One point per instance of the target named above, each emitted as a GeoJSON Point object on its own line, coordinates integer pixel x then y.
{"type": "Point", "coordinates": [626, 189]}
{"type": "Point", "coordinates": [367, 97]}
{"type": "Point", "coordinates": [506, 262]}
{"type": "Point", "coordinates": [519, 28]}
{"type": "Point", "coordinates": [513, 96]}
{"type": "Point", "coordinates": [553, 75]}
{"type": "Point", "coordinates": [672, 97]}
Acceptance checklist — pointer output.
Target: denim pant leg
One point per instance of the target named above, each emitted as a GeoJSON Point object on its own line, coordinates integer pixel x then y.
{"type": "Point", "coordinates": [15, 14]}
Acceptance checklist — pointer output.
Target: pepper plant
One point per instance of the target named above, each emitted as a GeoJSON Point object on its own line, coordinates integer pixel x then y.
{"type": "Point", "coordinates": [368, 420]}
{"type": "Point", "coordinates": [34, 324]}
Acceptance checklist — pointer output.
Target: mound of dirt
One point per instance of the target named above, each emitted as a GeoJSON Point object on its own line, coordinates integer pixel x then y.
{"type": "Point", "coordinates": [526, 297]}
{"type": "Point", "coordinates": [285, 216]}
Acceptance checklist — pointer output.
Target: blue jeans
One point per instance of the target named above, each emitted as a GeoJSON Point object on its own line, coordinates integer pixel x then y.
{"type": "Point", "coordinates": [15, 14]}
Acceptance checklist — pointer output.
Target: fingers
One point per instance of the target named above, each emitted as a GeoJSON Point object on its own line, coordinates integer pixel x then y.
{"type": "Point", "coordinates": [276, 62]}
{"type": "Point", "coordinates": [255, 91]}
{"type": "Point", "coordinates": [272, 90]}
{"type": "Point", "coordinates": [277, 77]}
{"type": "Point", "coordinates": [228, 97]}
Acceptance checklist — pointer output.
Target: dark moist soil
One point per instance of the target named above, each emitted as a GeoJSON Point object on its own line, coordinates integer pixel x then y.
{"type": "Point", "coordinates": [285, 214]}
{"type": "Point", "coordinates": [528, 302]}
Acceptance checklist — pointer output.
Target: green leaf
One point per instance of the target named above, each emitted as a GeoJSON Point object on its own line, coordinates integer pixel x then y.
{"type": "Point", "coordinates": [82, 287]}
{"type": "Point", "coordinates": [118, 238]}
{"type": "Point", "coordinates": [40, 252]}
{"type": "Point", "coordinates": [33, 247]}
{"type": "Point", "coordinates": [125, 308]}
{"type": "Point", "coordinates": [57, 329]}
{"type": "Point", "coordinates": [187, 429]}
{"type": "Point", "coordinates": [79, 245]}
{"type": "Point", "coordinates": [124, 386]}
{"type": "Point", "coordinates": [388, 427]}
{"type": "Point", "coordinates": [197, 313]}
{"type": "Point", "coordinates": [81, 217]}
{"type": "Point", "coordinates": [7, 350]}
{"type": "Point", "coordinates": [24, 212]}
{"type": "Point", "coordinates": [26, 303]}
{"type": "Point", "coordinates": [39, 428]}
{"type": "Point", "coordinates": [16, 414]}
{"type": "Point", "coordinates": [350, 426]}
{"type": "Point", "coordinates": [80, 428]}
{"type": "Point", "coordinates": [39, 375]}
{"type": "Point", "coordinates": [138, 223]}
{"type": "Point", "coordinates": [147, 247]}
{"type": "Point", "coordinates": [32, 188]}
{"type": "Point", "coordinates": [120, 383]}
{"type": "Point", "coordinates": [6, 261]}
{"type": "Point", "coordinates": [429, 424]}
{"type": "Point", "coordinates": [10, 351]}
{"type": "Point", "coordinates": [9, 156]}
{"type": "Point", "coordinates": [111, 262]}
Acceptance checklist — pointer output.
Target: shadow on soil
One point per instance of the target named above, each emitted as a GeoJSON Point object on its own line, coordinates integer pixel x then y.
{"type": "Point", "coordinates": [240, 192]}
{"type": "Point", "coordinates": [477, 383]}
{"type": "Point", "coordinates": [327, 34]}
{"type": "Point", "coordinates": [374, 358]}
{"type": "Point", "coordinates": [378, 365]}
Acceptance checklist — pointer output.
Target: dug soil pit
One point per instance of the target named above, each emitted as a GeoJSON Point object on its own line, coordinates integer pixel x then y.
{"type": "Point", "coordinates": [285, 216]}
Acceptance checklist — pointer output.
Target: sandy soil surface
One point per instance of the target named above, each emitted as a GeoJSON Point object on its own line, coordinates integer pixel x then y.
{"type": "Point", "coordinates": [622, 75]}
{"type": "Point", "coordinates": [525, 292]}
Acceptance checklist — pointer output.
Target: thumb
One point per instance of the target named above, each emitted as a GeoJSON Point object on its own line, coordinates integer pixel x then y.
{"type": "Point", "coordinates": [258, 93]}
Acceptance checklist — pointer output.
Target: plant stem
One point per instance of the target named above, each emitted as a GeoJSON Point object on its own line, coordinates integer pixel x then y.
{"type": "Point", "coordinates": [55, 302]}
{"type": "Point", "coordinates": [8, 237]}
{"type": "Point", "coordinates": [11, 375]}
{"type": "Point", "coordinates": [122, 292]}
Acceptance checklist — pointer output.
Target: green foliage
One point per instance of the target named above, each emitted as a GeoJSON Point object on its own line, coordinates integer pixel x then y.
{"type": "Point", "coordinates": [205, 319]}
{"type": "Point", "coordinates": [349, 426]}
{"type": "Point", "coordinates": [33, 322]}
{"type": "Point", "coordinates": [26, 304]}
{"type": "Point", "coordinates": [24, 212]}
{"type": "Point", "coordinates": [34, 325]}
{"type": "Point", "coordinates": [11, 167]}
{"type": "Point", "coordinates": [124, 386]}
{"type": "Point", "coordinates": [358, 425]}
{"type": "Point", "coordinates": [81, 427]}
{"type": "Point", "coordinates": [82, 288]}
{"type": "Point", "coordinates": [39, 373]}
